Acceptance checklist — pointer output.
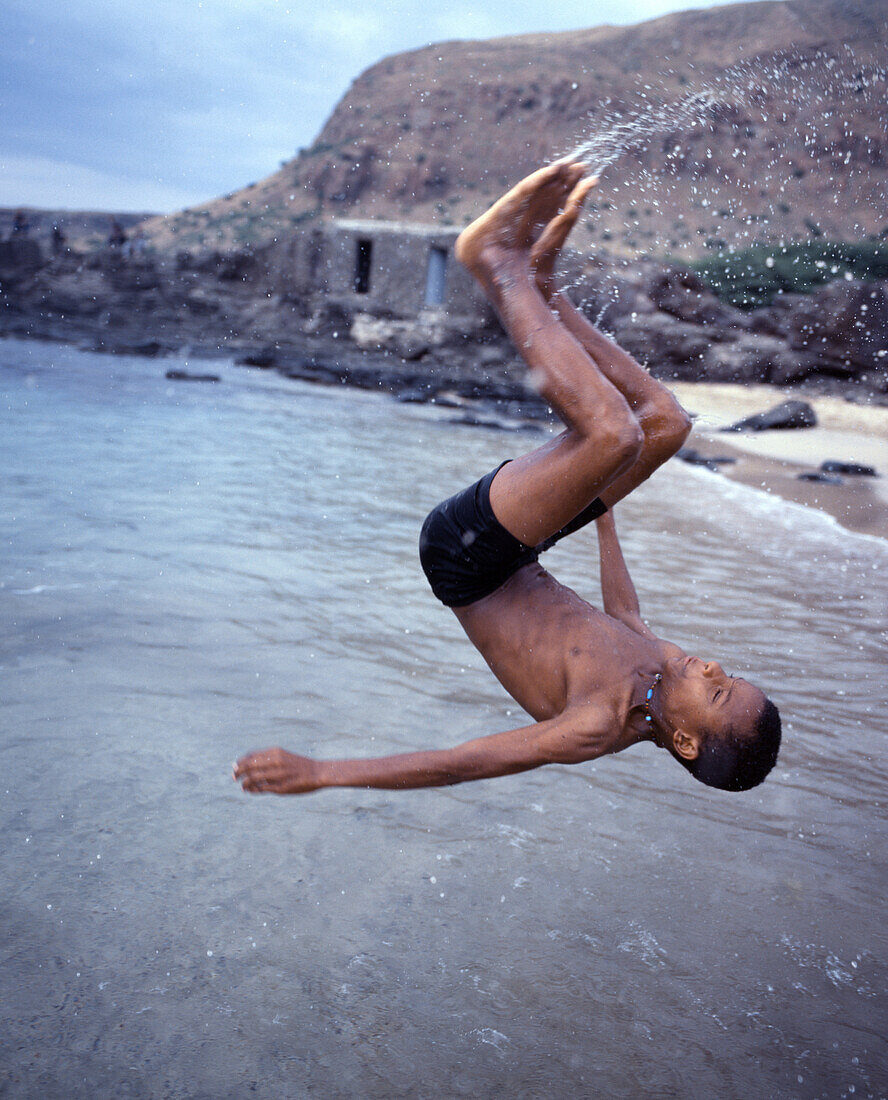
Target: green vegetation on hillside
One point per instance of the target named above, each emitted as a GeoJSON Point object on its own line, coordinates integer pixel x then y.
{"type": "Point", "coordinates": [754, 276]}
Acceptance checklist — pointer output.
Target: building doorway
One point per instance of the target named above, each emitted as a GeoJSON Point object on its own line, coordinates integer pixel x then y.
{"type": "Point", "coordinates": [363, 260]}
{"type": "Point", "coordinates": [435, 276]}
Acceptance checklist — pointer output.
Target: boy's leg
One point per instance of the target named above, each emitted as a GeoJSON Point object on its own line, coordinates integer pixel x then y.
{"type": "Point", "coordinates": [664, 423]}
{"type": "Point", "coordinates": [536, 495]}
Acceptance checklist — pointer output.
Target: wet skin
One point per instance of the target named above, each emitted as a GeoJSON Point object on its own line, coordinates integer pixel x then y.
{"type": "Point", "coordinates": [581, 673]}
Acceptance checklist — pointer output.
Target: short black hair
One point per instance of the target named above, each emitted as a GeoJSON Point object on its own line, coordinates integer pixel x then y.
{"type": "Point", "coordinates": [738, 762]}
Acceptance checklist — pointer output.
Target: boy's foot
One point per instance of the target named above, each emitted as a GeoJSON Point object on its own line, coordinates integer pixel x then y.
{"type": "Point", "coordinates": [502, 238]}
{"type": "Point", "coordinates": [546, 249]}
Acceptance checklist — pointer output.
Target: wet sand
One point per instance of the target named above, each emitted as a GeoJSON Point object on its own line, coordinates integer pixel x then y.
{"type": "Point", "coordinates": [772, 460]}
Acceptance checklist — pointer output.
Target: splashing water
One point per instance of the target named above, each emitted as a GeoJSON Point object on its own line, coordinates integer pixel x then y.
{"type": "Point", "coordinates": [745, 84]}
{"type": "Point", "coordinates": [619, 137]}
{"type": "Point", "coordinates": [773, 122]}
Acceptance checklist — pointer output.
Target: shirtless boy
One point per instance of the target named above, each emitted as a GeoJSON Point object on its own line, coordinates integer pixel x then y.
{"type": "Point", "coordinates": [594, 681]}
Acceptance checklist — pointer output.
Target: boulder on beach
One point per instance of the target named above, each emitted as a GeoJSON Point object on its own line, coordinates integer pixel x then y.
{"type": "Point", "coordinates": [683, 294]}
{"type": "Point", "coordinates": [846, 323]}
{"type": "Point", "coordinates": [853, 469]}
{"type": "Point", "coordinates": [693, 457]}
{"type": "Point", "coordinates": [820, 478]}
{"type": "Point", "coordinates": [788, 414]}
{"type": "Point", "coordinates": [746, 359]}
{"type": "Point", "coordinates": [674, 347]}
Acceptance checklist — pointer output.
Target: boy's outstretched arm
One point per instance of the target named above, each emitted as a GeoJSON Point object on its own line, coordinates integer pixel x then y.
{"type": "Point", "coordinates": [580, 733]}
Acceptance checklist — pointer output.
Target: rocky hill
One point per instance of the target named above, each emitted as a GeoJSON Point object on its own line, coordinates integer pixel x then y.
{"type": "Point", "coordinates": [798, 146]}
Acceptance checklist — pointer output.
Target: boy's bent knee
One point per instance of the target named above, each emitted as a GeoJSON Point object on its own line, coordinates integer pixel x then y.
{"type": "Point", "coordinates": [666, 427]}
{"type": "Point", "coordinates": [617, 443]}
{"type": "Point", "coordinates": [679, 432]}
{"type": "Point", "coordinates": [604, 416]}
{"type": "Point", "coordinates": [628, 442]}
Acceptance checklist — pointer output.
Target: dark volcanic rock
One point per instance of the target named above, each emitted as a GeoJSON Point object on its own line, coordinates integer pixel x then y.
{"type": "Point", "coordinates": [845, 323]}
{"type": "Point", "coordinates": [19, 257]}
{"type": "Point", "coordinates": [201, 303]}
{"type": "Point", "coordinates": [747, 359]}
{"type": "Point", "coordinates": [263, 358]}
{"type": "Point", "coordinates": [834, 341]}
{"type": "Point", "coordinates": [685, 296]}
{"type": "Point", "coordinates": [473, 420]}
{"type": "Point", "coordinates": [132, 276]}
{"type": "Point", "coordinates": [150, 349]}
{"type": "Point", "coordinates": [774, 320]}
{"type": "Point", "coordinates": [853, 469]}
{"type": "Point", "coordinates": [711, 462]}
{"type": "Point", "coordinates": [790, 366]}
{"type": "Point", "coordinates": [187, 376]}
{"type": "Point", "coordinates": [671, 348]}
{"type": "Point", "coordinates": [420, 395]}
{"type": "Point", "coordinates": [822, 479]}
{"type": "Point", "coordinates": [606, 294]}
{"type": "Point", "coordinates": [788, 414]}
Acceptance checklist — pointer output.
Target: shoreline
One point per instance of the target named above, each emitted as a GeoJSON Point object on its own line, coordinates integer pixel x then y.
{"type": "Point", "coordinates": [772, 460]}
{"type": "Point", "coordinates": [769, 461]}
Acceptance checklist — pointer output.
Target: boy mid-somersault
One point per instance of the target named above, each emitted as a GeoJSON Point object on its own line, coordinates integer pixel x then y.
{"type": "Point", "coordinates": [594, 681]}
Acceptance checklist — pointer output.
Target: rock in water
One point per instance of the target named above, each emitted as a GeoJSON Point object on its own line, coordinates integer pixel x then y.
{"type": "Point", "coordinates": [187, 376]}
{"type": "Point", "coordinates": [789, 414]}
{"type": "Point", "coordinates": [265, 357]}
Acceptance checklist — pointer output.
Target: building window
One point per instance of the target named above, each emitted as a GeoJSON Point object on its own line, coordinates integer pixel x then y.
{"type": "Point", "coordinates": [363, 258]}
{"type": "Point", "coordinates": [435, 276]}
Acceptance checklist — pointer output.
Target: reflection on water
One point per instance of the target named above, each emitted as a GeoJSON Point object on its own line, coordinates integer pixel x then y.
{"type": "Point", "coordinates": [189, 572]}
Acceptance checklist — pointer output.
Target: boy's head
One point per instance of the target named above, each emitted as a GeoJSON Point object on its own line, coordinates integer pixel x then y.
{"type": "Point", "coordinates": [723, 729]}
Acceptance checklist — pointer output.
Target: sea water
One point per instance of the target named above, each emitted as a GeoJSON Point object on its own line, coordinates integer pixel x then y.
{"type": "Point", "coordinates": [192, 571]}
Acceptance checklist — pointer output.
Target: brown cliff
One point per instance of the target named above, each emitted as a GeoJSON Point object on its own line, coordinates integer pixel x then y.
{"type": "Point", "coordinates": [435, 134]}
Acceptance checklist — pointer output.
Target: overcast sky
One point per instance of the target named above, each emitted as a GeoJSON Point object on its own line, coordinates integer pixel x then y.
{"type": "Point", "coordinates": [158, 104]}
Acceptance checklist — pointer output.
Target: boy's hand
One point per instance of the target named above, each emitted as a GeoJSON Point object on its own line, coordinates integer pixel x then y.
{"type": "Point", "coordinates": [276, 771]}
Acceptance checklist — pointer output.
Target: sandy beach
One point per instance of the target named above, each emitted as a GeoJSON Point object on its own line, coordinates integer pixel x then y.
{"type": "Point", "coordinates": [773, 460]}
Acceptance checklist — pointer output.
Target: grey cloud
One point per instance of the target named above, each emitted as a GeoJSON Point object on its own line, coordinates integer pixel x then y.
{"type": "Point", "coordinates": [203, 98]}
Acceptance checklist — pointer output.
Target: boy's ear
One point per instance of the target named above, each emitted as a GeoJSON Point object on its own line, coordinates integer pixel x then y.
{"type": "Point", "coordinates": [685, 745]}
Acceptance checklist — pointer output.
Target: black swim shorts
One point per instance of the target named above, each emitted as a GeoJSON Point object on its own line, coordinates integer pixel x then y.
{"type": "Point", "coordinates": [465, 551]}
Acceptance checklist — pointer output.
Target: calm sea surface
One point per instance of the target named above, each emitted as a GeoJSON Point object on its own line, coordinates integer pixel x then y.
{"type": "Point", "coordinates": [189, 572]}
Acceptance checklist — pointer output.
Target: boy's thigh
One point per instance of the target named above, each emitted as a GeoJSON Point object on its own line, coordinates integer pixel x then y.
{"type": "Point", "coordinates": [538, 494]}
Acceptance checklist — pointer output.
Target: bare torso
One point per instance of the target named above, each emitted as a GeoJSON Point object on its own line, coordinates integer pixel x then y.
{"type": "Point", "coordinates": [552, 651]}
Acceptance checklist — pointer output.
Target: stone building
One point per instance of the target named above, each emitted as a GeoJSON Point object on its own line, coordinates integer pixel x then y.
{"type": "Point", "coordinates": [394, 268]}
{"type": "Point", "coordinates": [383, 269]}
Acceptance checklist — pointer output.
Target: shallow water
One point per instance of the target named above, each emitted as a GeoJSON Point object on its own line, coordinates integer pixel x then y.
{"type": "Point", "coordinates": [192, 571]}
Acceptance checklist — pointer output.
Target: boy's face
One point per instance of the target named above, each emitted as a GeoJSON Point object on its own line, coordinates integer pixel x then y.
{"type": "Point", "coordinates": [700, 695]}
